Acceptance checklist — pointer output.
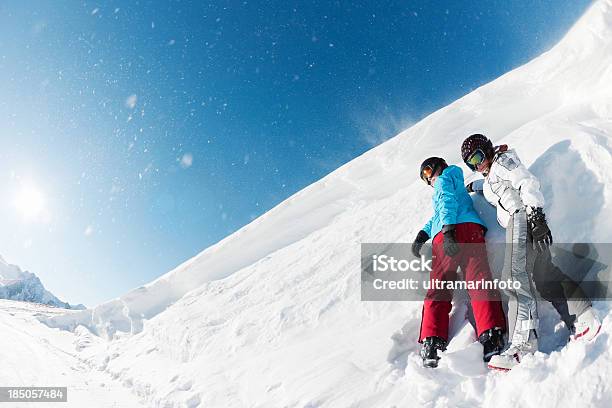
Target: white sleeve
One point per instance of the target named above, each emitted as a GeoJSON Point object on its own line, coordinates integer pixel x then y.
{"type": "Point", "coordinates": [478, 185]}
{"type": "Point", "coordinates": [472, 178]}
{"type": "Point", "coordinates": [526, 183]}
{"type": "Point", "coordinates": [476, 180]}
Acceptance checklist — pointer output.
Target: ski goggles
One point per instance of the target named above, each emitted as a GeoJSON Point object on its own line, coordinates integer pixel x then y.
{"type": "Point", "coordinates": [475, 159]}
{"type": "Point", "coordinates": [427, 173]}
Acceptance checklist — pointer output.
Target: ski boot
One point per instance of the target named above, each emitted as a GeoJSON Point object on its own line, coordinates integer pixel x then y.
{"type": "Point", "coordinates": [429, 351]}
{"type": "Point", "coordinates": [492, 341]}
{"type": "Point", "coordinates": [513, 355]}
{"type": "Point", "coordinates": [586, 326]}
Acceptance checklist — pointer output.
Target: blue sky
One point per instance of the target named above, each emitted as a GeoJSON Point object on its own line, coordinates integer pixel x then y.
{"type": "Point", "coordinates": [134, 134]}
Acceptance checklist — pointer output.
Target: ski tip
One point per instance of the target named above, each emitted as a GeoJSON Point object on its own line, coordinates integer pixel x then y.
{"type": "Point", "coordinates": [582, 336]}
{"type": "Point", "coordinates": [505, 370]}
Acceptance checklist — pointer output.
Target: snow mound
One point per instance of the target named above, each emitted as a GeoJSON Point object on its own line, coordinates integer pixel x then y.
{"type": "Point", "coordinates": [271, 315]}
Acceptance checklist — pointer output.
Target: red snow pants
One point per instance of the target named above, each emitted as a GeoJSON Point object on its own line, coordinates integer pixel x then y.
{"type": "Point", "coordinates": [474, 263]}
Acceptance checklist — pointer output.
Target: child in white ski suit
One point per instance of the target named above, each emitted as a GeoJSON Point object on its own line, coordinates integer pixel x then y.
{"type": "Point", "coordinates": [515, 192]}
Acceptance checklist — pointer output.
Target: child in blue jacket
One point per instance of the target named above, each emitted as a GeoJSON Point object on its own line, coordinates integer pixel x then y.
{"type": "Point", "coordinates": [455, 222]}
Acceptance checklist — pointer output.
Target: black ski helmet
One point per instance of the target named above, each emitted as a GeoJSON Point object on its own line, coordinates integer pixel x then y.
{"type": "Point", "coordinates": [475, 142]}
{"type": "Point", "coordinates": [435, 164]}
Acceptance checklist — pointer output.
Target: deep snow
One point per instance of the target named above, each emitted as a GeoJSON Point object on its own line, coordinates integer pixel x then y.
{"type": "Point", "coordinates": [271, 316]}
{"type": "Point", "coordinates": [33, 355]}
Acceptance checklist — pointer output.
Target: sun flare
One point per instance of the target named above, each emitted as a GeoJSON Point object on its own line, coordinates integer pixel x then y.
{"type": "Point", "coordinates": [30, 202]}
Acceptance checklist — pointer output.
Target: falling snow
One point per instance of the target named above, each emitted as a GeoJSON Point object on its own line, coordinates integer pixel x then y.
{"type": "Point", "coordinates": [130, 101]}
{"type": "Point", "coordinates": [186, 160]}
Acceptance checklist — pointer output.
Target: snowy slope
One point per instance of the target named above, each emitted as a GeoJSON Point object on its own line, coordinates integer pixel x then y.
{"type": "Point", "coordinates": [271, 316]}
{"type": "Point", "coordinates": [16, 284]}
{"type": "Point", "coordinates": [33, 355]}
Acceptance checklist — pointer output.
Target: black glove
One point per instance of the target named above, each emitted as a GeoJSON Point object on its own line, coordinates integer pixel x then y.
{"type": "Point", "coordinates": [540, 233]}
{"type": "Point", "coordinates": [451, 247]}
{"type": "Point", "coordinates": [420, 239]}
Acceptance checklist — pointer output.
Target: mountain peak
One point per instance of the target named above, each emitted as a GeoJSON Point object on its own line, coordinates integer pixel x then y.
{"type": "Point", "coordinates": [16, 284]}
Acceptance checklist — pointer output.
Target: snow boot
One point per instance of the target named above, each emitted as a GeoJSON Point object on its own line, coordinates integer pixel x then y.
{"type": "Point", "coordinates": [492, 341]}
{"type": "Point", "coordinates": [513, 355]}
{"type": "Point", "coordinates": [429, 351]}
{"type": "Point", "coordinates": [586, 326]}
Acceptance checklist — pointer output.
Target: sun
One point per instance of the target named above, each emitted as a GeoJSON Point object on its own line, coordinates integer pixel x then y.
{"type": "Point", "coordinates": [30, 202]}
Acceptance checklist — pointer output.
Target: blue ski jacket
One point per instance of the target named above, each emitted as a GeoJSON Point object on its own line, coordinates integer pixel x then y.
{"type": "Point", "coordinates": [451, 202]}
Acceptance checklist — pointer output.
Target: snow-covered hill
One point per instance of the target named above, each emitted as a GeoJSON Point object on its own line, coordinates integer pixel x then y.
{"type": "Point", "coordinates": [271, 316]}
{"type": "Point", "coordinates": [16, 284]}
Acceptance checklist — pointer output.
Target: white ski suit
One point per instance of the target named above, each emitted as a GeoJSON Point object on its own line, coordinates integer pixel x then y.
{"type": "Point", "coordinates": [514, 191]}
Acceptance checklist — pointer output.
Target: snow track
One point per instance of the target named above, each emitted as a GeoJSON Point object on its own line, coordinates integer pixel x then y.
{"type": "Point", "coordinates": [31, 354]}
